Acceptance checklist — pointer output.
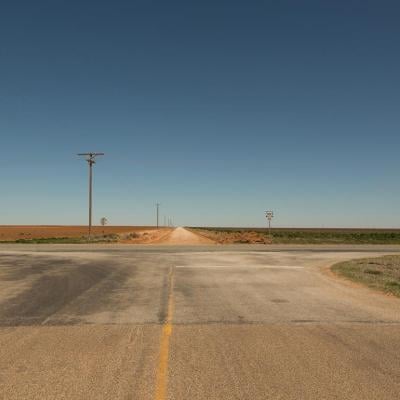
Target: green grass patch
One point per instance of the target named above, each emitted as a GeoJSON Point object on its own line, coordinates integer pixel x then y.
{"type": "Point", "coordinates": [336, 237]}
{"type": "Point", "coordinates": [316, 236]}
{"type": "Point", "coordinates": [67, 240]}
{"type": "Point", "coordinates": [381, 273]}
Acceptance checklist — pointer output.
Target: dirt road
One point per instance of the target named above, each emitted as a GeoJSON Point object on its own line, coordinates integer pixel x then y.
{"type": "Point", "coordinates": [181, 236]}
{"type": "Point", "coordinates": [173, 323]}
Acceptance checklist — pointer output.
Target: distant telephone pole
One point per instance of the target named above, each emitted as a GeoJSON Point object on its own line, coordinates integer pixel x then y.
{"type": "Point", "coordinates": [90, 158]}
{"type": "Point", "coordinates": [158, 209]}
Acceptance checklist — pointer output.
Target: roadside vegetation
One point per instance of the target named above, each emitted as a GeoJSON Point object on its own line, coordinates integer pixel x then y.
{"type": "Point", "coordinates": [67, 240]}
{"type": "Point", "coordinates": [29, 233]}
{"type": "Point", "coordinates": [301, 236]}
{"type": "Point", "coordinates": [381, 273]}
{"type": "Point", "coordinates": [134, 236]}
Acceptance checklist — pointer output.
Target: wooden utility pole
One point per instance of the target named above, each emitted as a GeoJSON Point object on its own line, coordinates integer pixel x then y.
{"type": "Point", "coordinates": [90, 158]}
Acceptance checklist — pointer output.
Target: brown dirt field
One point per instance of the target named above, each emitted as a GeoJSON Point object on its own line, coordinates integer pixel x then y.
{"type": "Point", "coordinates": [223, 237]}
{"type": "Point", "coordinates": [15, 232]}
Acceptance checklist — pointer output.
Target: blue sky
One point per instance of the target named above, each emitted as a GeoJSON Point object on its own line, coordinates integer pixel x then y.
{"type": "Point", "coordinates": [219, 110]}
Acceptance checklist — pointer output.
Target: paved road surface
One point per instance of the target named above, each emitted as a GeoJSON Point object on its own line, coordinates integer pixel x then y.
{"type": "Point", "coordinates": [168, 322]}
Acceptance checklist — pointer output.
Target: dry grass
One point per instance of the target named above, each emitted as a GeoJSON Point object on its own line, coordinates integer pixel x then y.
{"type": "Point", "coordinates": [381, 273]}
{"type": "Point", "coordinates": [301, 236]}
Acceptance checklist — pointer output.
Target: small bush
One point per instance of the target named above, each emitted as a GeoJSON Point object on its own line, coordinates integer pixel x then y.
{"type": "Point", "coordinates": [373, 272]}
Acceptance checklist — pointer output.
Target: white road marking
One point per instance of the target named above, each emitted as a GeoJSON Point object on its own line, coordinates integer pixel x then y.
{"type": "Point", "coordinates": [242, 266]}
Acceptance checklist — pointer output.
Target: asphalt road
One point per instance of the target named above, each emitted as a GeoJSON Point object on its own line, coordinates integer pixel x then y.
{"type": "Point", "coordinates": [244, 322]}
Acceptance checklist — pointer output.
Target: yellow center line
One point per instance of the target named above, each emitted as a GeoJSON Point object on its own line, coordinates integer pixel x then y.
{"type": "Point", "coordinates": [162, 371]}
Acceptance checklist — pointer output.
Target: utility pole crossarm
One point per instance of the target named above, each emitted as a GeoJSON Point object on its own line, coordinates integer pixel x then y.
{"type": "Point", "coordinates": [90, 154]}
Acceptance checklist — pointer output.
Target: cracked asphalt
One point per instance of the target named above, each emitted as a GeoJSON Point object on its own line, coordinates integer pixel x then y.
{"type": "Point", "coordinates": [244, 322]}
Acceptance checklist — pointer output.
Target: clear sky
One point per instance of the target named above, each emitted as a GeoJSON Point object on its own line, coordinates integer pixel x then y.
{"type": "Point", "coordinates": [217, 109]}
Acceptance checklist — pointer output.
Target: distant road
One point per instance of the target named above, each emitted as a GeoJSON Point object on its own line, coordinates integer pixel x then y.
{"type": "Point", "coordinates": [192, 322]}
{"type": "Point", "coordinates": [181, 236]}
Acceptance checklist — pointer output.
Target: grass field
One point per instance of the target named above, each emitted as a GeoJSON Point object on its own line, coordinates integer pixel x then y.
{"type": "Point", "coordinates": [68, 240]}
{"type": "Point", "coordinates": [301, 236]}
{"type": "Point", "coordinates": [381, 273]}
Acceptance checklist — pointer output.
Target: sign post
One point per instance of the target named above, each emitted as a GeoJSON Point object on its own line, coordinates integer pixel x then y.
{"type": "Point", "coordinates": [269, 215]}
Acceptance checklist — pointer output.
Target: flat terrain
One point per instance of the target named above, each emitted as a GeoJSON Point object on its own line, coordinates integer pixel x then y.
{"type": "Point", "coordinates": [194, 236]}
{"type": "Point", "coordinates": [301, 235]}
{"type": "Point", "coordinates": [15, 232]}
{"type": "Point", "coordinates": [205, 322]}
